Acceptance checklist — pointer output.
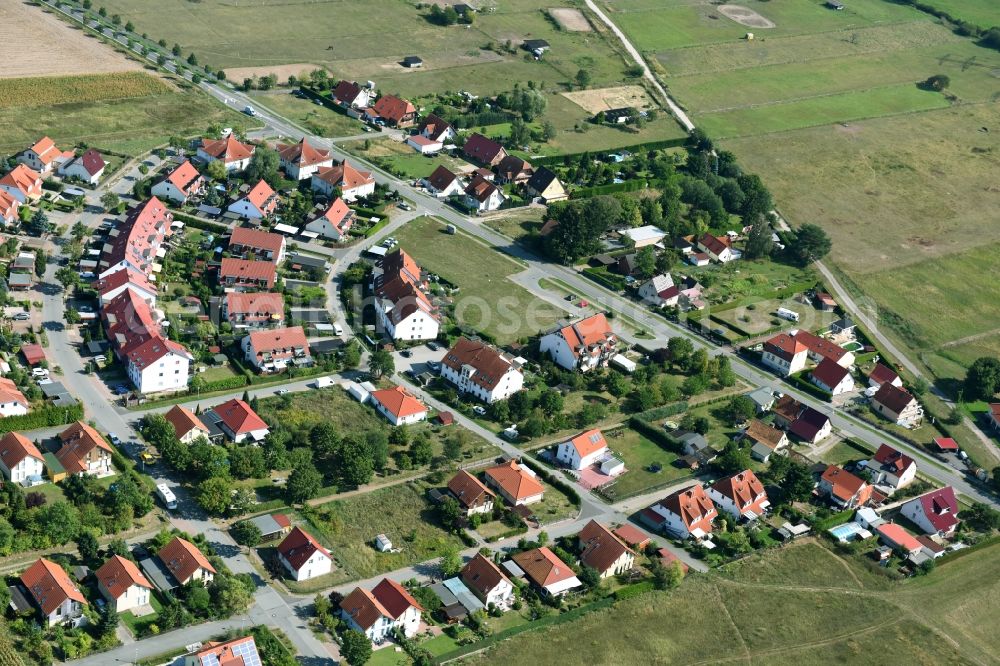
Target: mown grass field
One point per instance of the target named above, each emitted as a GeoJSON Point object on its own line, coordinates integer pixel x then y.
{"type": "Point", "coordinates": [127, 112]}
{"type": "Point", "coordinates": [313, 117]}
{"type": "Point", "coordinates": [984, 13]}
{"type": "Point", "coordinates": [638, 453]}
{"type": "Point", "coordinates": [800, 605]}
{"type": "Point", "coordinates": [488, 300]}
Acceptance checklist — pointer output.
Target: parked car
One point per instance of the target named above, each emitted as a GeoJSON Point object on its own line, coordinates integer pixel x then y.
{"type": "Point", "coordinates": [39, 372]}
{"type": "Point", "coordinates": [479, 410]}
{"type": "Point", "coordinates": [281, 391]}
{"type": "Point", "coordinates": [433, 346]}
{"type": "Point", "coordinates": [22, 316]}
{"type": "Point", "coordinates": [114, 439]}
{"type": "Point", "coordinates": [100, 358]}
{"type": "Point", "coordinates": [406, 353]}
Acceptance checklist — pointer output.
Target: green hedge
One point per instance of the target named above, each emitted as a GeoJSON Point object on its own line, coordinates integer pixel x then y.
{"type": "Point", "coordinates": [43, 417]}
{"type": "Point", "coordinates": [613, 188]}
{"type": "Point", "coordinates": [634, 590]}
{"type": "Point", "coordinates": [959, 554]}
{"type": "Point", "coordinates": [234, 382]}
{"type": "Point", "coordinates": [657, 413]}
{"type": "Point", "coordinates": [635, 148]}
{"type": "Point", "coordinates": [555, 482]}
{"type": "Point", "coordinates": [199, 223]}
{"type": "Point", "coordinates": [800, 382]}
{"type": "Point", "coordinates": [654, 433]}
{"type": "Point", "coordinates": [835, 519]}
{"type": "Point", "coordinates": [605, 279]}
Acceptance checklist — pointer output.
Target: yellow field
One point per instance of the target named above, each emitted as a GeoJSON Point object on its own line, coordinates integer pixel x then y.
{"type": "Point", "coordinates": [48, 90]}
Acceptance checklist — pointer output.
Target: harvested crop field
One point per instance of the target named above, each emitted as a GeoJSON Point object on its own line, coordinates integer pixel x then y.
{"type": "Point", "coordinates": [745, 16]}
{"type": "Point", "coordinates": [48, 90]}
{"type": "Point", "coordinates": [602, 99]}
{"type": "Point", "coordinates": [66, 50]}
{"type": "Point", "coordinates": [571, 19]}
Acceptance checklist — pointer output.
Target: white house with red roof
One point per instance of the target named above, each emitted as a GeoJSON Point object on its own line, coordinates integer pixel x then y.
{"type": "Point", "coordinates": [481, 370]}
{"type": "Point", "coordinates": [158, 365]}
{"type": "Point", "coordinates": [587, 344]}
{"type": "Point", "coordinates": [935, 512]}
{"type": "Point", "coordinates": [832, 378]}
{"type": "Point", "coordinates": [684, 514]}
{"type": "Point", "coordinates": [20, 459]}
{"type": "Point", "coordinates": [228, 150]}
{"type": "Point", "coordinates": [897, 405]}
{"type": "Point", "coordinates": [517, 484]}
{"type": "Point", "coordinates": [433, 127]}
{"type": "Point", "coordinates": [257, 244]}
{"type": "Point", "coordinates": [896, 537]}
{"type": "Point", "coordinates": [253, 309]}
{"type": "Point", "coordinates": [892, 468]}
{"type": "Point", "coordinates": [23, 183]}
{"type": "Point", "coordinates": [741, 495]}
{"type": "Point", "coordinates": [483, 195]}
{"type": "Point", "coordinates": [582, 451]}
{"type": "Point", "coordinates": [243, 274]}
{"type": "Point", "coordinates": [398, 405]}
{"type": "Point", "coordinates": [546, 571]}
{"type": "Point", "coordinates": [187, 426]}
{"type": "Point", "coordinates": [129, 279]}
{"type": "Point", "coordinates": [333, 222]}
{"type": "Point", "coordinates": [238, 421]}
{"type": "Point", "coordinates": [303, 556]}
{"type": "Point", "coordinates": [56, 597]}
{"type": "Point", "coordinates": [136, 241]}
{"type": "Point", "coordinates": [180, 184]}
{"type": "Point", "coordinates": [121, 583]}
{"type": "Point", "coordinates": [10, 213]}
{"type": "Point", "coordinates": [660, 291]}
{"type": "Point", "coordinates": [351, 94]}
{"type": "Point", "coordinates": [488, 582]}
{"type": "Point", "coordinates": [301, 160]}
{"type": "Point", "coordinates": [785, 354]}
{"type": "Point", "coordinates": [719, 248]}
{"type": "Point", "coordinates": [377, 613]}
{"type": "Point", "coordinates": [44, 156]}
{"type": "Point", "coordinates": [352, 183]}
{"type": "Point", "coordinates": [274, 349]}
{"type": "Point", "coordinates": [601, 549]}
{"type": "Point", "coordinates": [483, 150]}
{"type": "Point", "coordinates": [845, 490]}
{"type": "Point", "coordinates": [88, 167]}
{"type": "Point", "coordinates": [882, 374]}
{"type": "Point", "coordinates": [395, 111]}
{"type": "Point", "coordinates": [443, 183]}
{"type": "Point", "coordinates": [12, 401]}
{"type": "Point", "coordinates": [423, 145]}
{"type": "Point", "coordinates": [258, 203]}
{"type": "Point", "coordinates": [404, 311]}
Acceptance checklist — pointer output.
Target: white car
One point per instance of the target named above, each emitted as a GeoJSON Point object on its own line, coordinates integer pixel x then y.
{"type": "Point", "coordinates": [40, 372]}
{"type": "Point", "coordinates": [479, 410]}
{"type": "Point", "coordinates": [100, 358]}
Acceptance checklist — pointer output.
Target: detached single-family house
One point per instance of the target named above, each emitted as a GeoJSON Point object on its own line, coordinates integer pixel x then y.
{"type": "Point", "coordinates": [83, 451]}
{"type": "Point", "coordinates": [785, 354]}
{"type": "Point", "coordinates": [822, 348]}
{"type": "Point", "coordinates": [472, 495]}
{"type": "Point", "coordinates": [545, 185]}
{"type": "Point", "coordinates": [303, 556]}
{"type": "Point", "coordinates": [395, 111]}
{"type": "Point", "coordinates": [22, 183]}
{"type": "Point", "coordinates": [660, 291]}
{"type": "Point", "coordinates": [514, 169]}
{"type": "Point", "coordinates": [516, 484]}
{"type": "Point", "coordinates": [352, 183]}
{"type": "Point", "coordinates": [545, 571]}
{"type": "Point", "coordinates": [892, 468]}
{"type": "Point", "coordinates": [434, 128]}
{"type": "Point", "coordinates": [845, 490]}
{"type": "Point", "coordinates": [719, 248]}
{"type": "Point", "coordinates": [301, 160]}
{"type": "Point", "coordinates": [935, 512]}
{"type": "Point", "coordinates": [12, 401]}
{"type": "Point", "coordinates": [481, 370]}
{"type": "Point", "coordinates": [488, 582]}
{"type": "Point", "coordinates": [482, 150]}
{"type": "Point", "coordinates": [741, 495]}
{"type": "Point", "coordinates": [333, 222]}
{"type": "Point", "coordinates": [180, 184]}
{"type": "Point", "coordinates": [811, 426]}
{"type": "Point", "coordinates": [832, 378]}
{"type": "Point", "coordinates": [44, 156]}
{"type": "Point", "coordinates": [242, 274]}
{"type": "Point", "coordinates": [258, 203]}
{"type": "Point", "coordinates": [187, 426]}
{"type": "Point", "coordinates": [88, 167]}
{"type": "Point", "coordinates": [766, 440]}
{"type": "Point", "coordinates": [582, 451]}
{"type": "Point", "coordinates": [600, 549]}
{"type": "Point", "coordinates": [185, 562]}
{"type": "Point", "coordinates": [387, 607]}
{"type": "Point", "coordinates": [10, 214]}
{"type": "Point", "coordinates": [257, 309]}
{"type": "Point", "coordinates": [53, 593]}
{"type": "Point", "coordinates": [584, 345]}
{"type": "Point", "coordinates": [122, 584]}
{"type": "Point", "coordinates": [881, 374]}
{"type": "Point", "coordinates": [237, 652]}
{"type": "Point", "coordinates": [482, 195]}
{"type": "Point", "coordinates": [256, 244]}
{"type": "Point", "coordinates": [443, 183]}
{"type": "Point", "coordinates": [398, 405]}
{"type": "Point", "coordinates": [352, 95]}
{"type": "Point", "coordinates": [897, 405]}
{"type": "Point", "coordinates": [238, 421]}
{"type": "Point", "coordinates": [228, 150]}
{"type": "Point", "coordinates": [684, 514]}
{"type": "Point", "coordinates": [20, 459]}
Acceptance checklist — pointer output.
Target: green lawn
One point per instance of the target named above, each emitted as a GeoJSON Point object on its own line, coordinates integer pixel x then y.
{"type": "Point", "coordinates": [984, 13]}
{"type": "Point", "coordinates": [314, 117]}
{"type": "Point", "coordinates": [130, 125]}
{"type": "Point", "coordinates": [638, 453]}
{"type": "Point", "coordinates": [349, 526]}
{"type": "Point", "coordinates": [841, 452]}
{"type": "Point", "coordinates": [762, 317]}
{"type": "Point", "coordinates": [487, 299]}
{"type": "Point", "coordinates": [138, 625]}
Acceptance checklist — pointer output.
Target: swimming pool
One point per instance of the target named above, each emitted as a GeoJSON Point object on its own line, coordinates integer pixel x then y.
{"type": "Point", "coordinates": [846, 532]}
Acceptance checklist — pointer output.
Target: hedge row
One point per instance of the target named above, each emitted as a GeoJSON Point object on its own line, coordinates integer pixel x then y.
{"type": "Point", "coordinates": [201, 223]}
{"type": "Point", "coordinates": [604, 279]}
{"type": "Point", "coordinates": [613, 188]}
{"type": "Point", "coordinates": [635, 148]}
{"type": "Point", "coordinates": [234, 382]}
{"type": "Point", "coordinates": [654, 433]}
{"type": "Point", "coordinates": [657, 413]}
{"type": "Point", "coordinates": [556, 483]}
{"type": "Point", "coordinates": [959, 554]}
{"type": "Point", "coordinates": [803, 384]}
{"type": "Point", "coordinates": [832, 521]}
{"type": "Point", "coordinates": [43, 417]}
{"type": "Point", "coordinates": [634, 590]}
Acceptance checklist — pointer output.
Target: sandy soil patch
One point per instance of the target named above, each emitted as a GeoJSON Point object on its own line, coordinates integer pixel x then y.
{"type": "Point", "coordinates": [745, 16]}
{"type": "Point", "coordinates": [56, 48]}
{"type": "Point", "coordinates": [281, 71]}
{"type": "Point", "coordinates": [572, 20]}
{"type": "Point", "coordinates": [603, 99]}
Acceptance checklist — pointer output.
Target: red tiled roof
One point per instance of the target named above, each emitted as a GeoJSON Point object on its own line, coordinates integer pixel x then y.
{"type": "Point", "coordinates": [264, 303]}
{"type": "Point", "coordinates": [589, 442]}
{"type": "Point", "coordinates": [715, 244]}
{"type": "Point", "coordinates": [482, 149]}
{"type": "Point", "coordinates": [119, 574]}
{"type": "Point", "coordinates": [480, 189]}
{"type": "Point", "coordinates": [138, 237]}
{"type": "Point", "coordinates": [592, 331]}
{"type": "Point", "coordinates": [898, 536]}
{"type": "Point", "coordinates": [433, 126]}
{"type": "Point", "coordinates": [278, 340]}
{"type": "Point", "coordinates": [185, 178]}
{"type": "Point", "coordinates": [299, 546]}
{"type": "Point", "coordinates": [542, 567]}
{"type": "Point", "coordinates": [784, 346]}
{"type": "Point", "coordinates": [631, 536]}
{"type": "Point", "coordinates": [399, 402]}
{"type": "Point", "coordinates": [489, 364]}
{"type": "Point", "coordinates": [33, 353]}
{"type": "Point", "coordinates": [941, 508]}
{"type": "Point", "coordinates": [890, 458]}
{"type": "Point", "coordinates": [881, 374]}
{"type": "Point", "coordinates": [394, 598]}
{"type": "Point", "coordinates": [15, 447]}
{"type": "Point", "coordinates": [468, 490]}
{"type": "Point", "coordinates": [744, 489]}
{"type": "Point", "coordinates": [302, 154]}
{"type": "Point", "coordinates": [346, 91]}
{"type": "Point", "coordinates": [482, 574]}
{"type": "Point", "coordinates": [442, 178]}
{"type": "Point", "coordinates": [77, 441]}
{"type": "Point", "coordinates": [946, 443]}
{"type": "Point", "coordinates": [10, 393]}
{"type": "Point", "coordinates": [892, 398]}
{"type": "Point", "coordinates": [843, 484]}
{"type": "Point", "coordinates": [153, 349]}
{"type": "Point", "coordinates": [263, 197]}
{"type": "Point", "coordinates": [394, 108]}
{"type": "Point", "coordinates": [362, 606]}
{"type": "Point", "coordinates": [228, 149]}
{"type": "Point", "coordinates": [821, 346]}
{"type": "Point", "coordinates": [243, 270]}
{"type": "Point", "coordinates": [338, 215]}
{"type": "Point", "coordinates": [122, 278]}
{"type": "Point", "coordinates": [183, 559]}
{"type": "Point", "coordinates": [184, 420]}
{"type": "Point", "coordinates": [514, 481]}
{"type": "Point", "coordinates": [763, 433]}
{"type": "Point", "coordinates": [50, 586]}
{"type": "Point", "coordinates": [345, 176]}
{"type": "Point", "coordinates": [257, 239]}
{"type": "Point", "coordinates": [829, 373]}
{"type": "Point", "coordinates": [239, 417]}
{"type": "Point", "coordinates": [693, 506]}
{"type": "Point", "coordinates": [91, 161]}
{"type": "Point", "coordinates": [23, 178]}
{"type": "Point", "coordinates": [601, 548]}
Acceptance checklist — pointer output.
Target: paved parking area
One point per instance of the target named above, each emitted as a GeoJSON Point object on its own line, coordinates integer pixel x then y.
{"type": "Point", "coordinates": [419, 359]}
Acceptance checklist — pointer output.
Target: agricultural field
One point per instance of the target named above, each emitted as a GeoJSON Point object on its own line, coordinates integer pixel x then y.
{"type": "Point", "coordinates": [828, 606]}
{"type": "Point", "coordinates": [127, 112]}
{"type": "Point", "coordinates": [67, 50]}
{"type": "Point", "coordinates": [487, 299]}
